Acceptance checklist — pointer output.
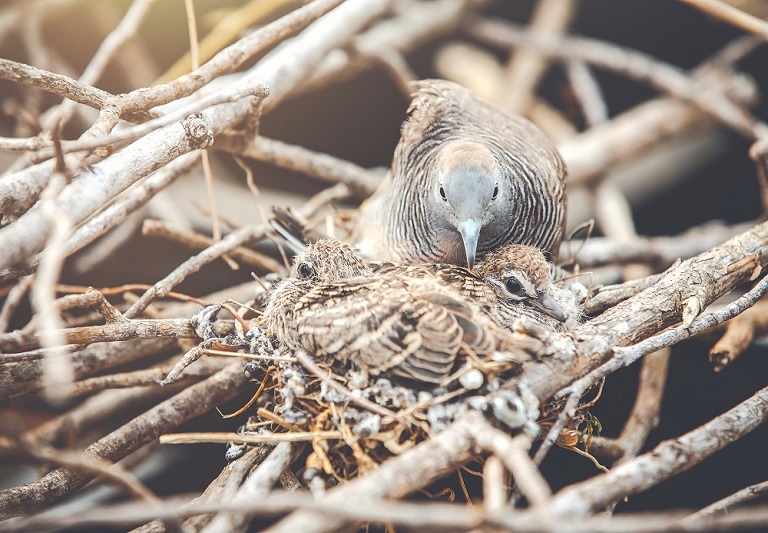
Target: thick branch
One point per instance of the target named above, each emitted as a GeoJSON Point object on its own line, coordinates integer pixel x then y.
{"type": "Point", "coordinates": [191, 402]}
{"type": "Point", "coordinates": [667, 459]}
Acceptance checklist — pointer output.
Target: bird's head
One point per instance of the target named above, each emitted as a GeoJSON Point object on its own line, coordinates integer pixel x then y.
{"type": "Point", "coordinates": [469, 192]}
{"type": "Point", "coordinates": [328, 260]}
{"type": "Point", "coordinates": [521, 274]}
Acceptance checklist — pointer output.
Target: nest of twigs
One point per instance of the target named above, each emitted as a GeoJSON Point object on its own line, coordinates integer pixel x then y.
{"type": "Point", "coordinates": [665, 143]}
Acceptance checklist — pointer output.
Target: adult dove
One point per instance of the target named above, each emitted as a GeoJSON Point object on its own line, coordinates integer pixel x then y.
{"type": "Point", "coordinates": [466, 178]}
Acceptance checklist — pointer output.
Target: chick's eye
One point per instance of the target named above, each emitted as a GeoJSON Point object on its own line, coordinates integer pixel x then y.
{"type": "Point", "coordinates": [442, 194]}
{"type": "Point", "coordinates": [495, 192]}
{"type": "Point", "coordinates": [513, 286]}
{"type": "Point", "coordinates": [305, 271]}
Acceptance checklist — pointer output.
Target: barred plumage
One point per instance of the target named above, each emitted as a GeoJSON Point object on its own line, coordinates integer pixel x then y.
{"type": "Point", "coordinates": [409, 321]}
{"type": "Point", "coordinates": [466, 178]}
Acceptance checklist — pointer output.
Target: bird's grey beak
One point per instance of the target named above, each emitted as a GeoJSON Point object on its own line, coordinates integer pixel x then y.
{"type": "Point", "coordinates": [547, 305]}
{"type": "Point", "coordinates": [470, 234]}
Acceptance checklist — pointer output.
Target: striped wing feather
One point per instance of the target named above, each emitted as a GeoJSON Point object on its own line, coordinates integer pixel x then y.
{"type": "Point", "coordinates": [380, 326]}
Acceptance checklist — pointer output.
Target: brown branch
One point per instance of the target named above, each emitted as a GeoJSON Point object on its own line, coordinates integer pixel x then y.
{"type": "Point", "coordinates": [22, 239]}
{"type": "Point", "coordinates": [53, 83]}
{"type": "Point", "coordinates": [193, 264]}
{"type": "Point", "coordinates": [413, 516]}
{"type": "Point", "coordinates": [400, 475]}
{"type": "Point", "coordinates": [725, 505]}
{"type": "Point", "coordinates": [605, 297]}
{"type": "Point", "coordinates": [228, 59]}
{"type": "Point", "coordinates": [197, 241]}
{"type": "Point", "coordinates": [117, 330]}
{"type": "Point", "coordinates": [659, 252]}
{"type": "Point", "coordinates": [18, 378]}
{"type": "Point", "coordinates": [299, 159]}
{"type": "Point", "coordinates": [624, 356]}
{"type": "Point", "coordinates": [647, 407]}
{"type": "Point", "coordinates": [629, 62]}
{"type": "Point", "coordinates": [739, 334]}
{"type": "Point", "coordinates": [191, 402]}
{"type": "Point", "coordinates": [667, 459]}
{"type": "Point", "coordinates": [732, 15]}
{"type": "Point", "coordinates": [526, 66]}
{"type": "Point", "coordinates": [255, 487]}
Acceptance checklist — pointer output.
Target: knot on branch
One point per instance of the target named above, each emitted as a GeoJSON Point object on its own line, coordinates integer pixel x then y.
{"type": "Point", "coordinates": [199, 134]}
{"type": "Point", "coordinates": [258, 91]}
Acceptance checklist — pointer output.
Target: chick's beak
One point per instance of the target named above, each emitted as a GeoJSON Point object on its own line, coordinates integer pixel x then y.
{"type": "Point", "coordinates": [547, 305]}
{"type": "Point", "coordinates": [470, 234]}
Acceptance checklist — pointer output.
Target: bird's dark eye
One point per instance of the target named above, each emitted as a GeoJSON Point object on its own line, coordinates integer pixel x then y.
{"type": "Point", "coordinates": [442, 194]}
{"type": "Point", "coordinates": [495, 192]}
{"type": "Point", "coordinates": [306, 271]}
{"type": "Point", "coordinates": [513, 286]}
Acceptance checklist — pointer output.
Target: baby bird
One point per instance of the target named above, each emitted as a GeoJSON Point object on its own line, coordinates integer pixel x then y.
{"type": "Point", "coordinates": [520, 276]}
{"type": "Point", "coordinates": [327, 260]}
{"type": "Point", "coordinates": [408, 321]}
{"type": "Point", "coordinates": [466, 178]}
{"type": "Point", "coordinates": [411, 328]}
{"type": "Point", "coordinates": [511, 282]}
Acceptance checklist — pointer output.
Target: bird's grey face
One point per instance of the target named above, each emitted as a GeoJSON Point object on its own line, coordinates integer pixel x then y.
{"type": "Point", "coordinates": [469, 187]}
{"type": "Point", "coordinates": [514, 286]}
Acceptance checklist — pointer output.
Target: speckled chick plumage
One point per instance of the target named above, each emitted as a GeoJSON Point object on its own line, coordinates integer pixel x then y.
{"type": "Point", "coordinates": [408, 321]}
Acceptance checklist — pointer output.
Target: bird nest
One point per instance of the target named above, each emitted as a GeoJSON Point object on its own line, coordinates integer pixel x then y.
{"type": "Point", "coordinates": [351, 421]}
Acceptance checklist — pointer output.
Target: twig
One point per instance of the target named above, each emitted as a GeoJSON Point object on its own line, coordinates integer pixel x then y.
{"type": "Point", "coordinates": [22, 377]}
{"type": "Point", "coordinates": [514, 454]}
{"type": "Point", "coordinates": [80, 461]}
{"type": "Point", "coordinates": [196, 241]}
{"type": "Point", "coordinates": [565, 416]}
{"type": "Point", "coordinates": [53, 83]}
{"type": "Point", "coordinates": [191, 402]}
{"type": "Point", "coordinates": [231, 27]}
{"type": "Point", "coordinates": [83, 462]}
{"type": "Point", "coordinates": [21, 239]}
{"type": "Point", "coordinates": [25, 372]}
{"type": "Point", "coordinates": [588, 93]}
{"type": "Point", "coordinates": [248, 91]}
{"type": "Point", "coordinates": [421, 465]}
{"type": "Point", "coordinates": [57, 370]}
{"type": "Point", "coordinates": [244, 438]}
{"type": "Point", "coordinates": [739, 334]}
{"type": "Point", "coordinates": [628, 62]}
{"type": "Point", "coordinates": [299, 159]}
{"type": "Point", "coordinates": [128, 27]}
{"type": "Point", "coordinates": [12, 301]}
{"type": "Point", "coordinates": [659, 252]}
{"type": "Point", "coordinates": [527, 66]}
{"type": "Point", "coordinates": [724, 505]}
{"type": "Point", "coordinates": [647, 408]}
{"type": "Point", "coordinates": [307, 362]}
{"type": "Point", "coordinates": [732, 15]}
{"type": "Point", "coordinates": [193, 264]}
{"type": "Point", "coordinates": [98, 411]}
{"type": "Point", "coordinates": [627, 355]}
{"type": "Point", "coordinates": [255, 487]}
{"type": "Point", "coordinates": [421, 515]}
{"type": "Point", "coordinates": [115, 330]}
{"type": "Point", "coordinates": [605, 297]}
{"type": "Point", "coordinates": [667, 459]}
{"type": "Point", "coordinates": [414, 24]}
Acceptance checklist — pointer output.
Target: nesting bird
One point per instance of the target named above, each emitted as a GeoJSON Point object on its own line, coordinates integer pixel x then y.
{"type": "Point", "coordinates": [466, 178]}
{"type": "Point", "coordinates": [325, 261]}
{"type": "Point", "coordinates": [511, 282]}
{"type": "Point", "coordinates": [408, 321]}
